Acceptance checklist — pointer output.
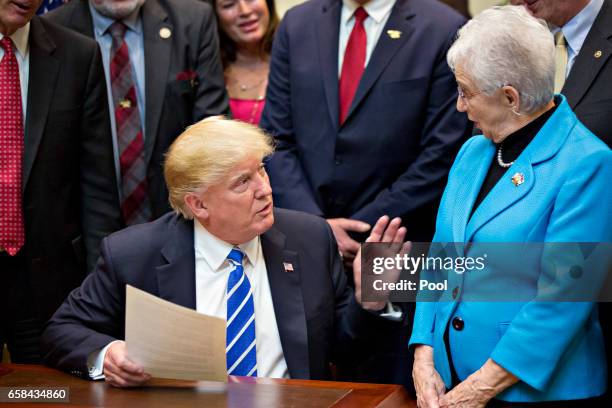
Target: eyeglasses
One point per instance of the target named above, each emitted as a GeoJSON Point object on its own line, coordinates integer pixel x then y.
{"type": "Point", "coordinates": [466, 96]}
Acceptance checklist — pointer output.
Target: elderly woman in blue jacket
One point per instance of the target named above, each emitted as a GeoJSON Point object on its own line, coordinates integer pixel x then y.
{"type": "Point", "coordinates": [536, 174]}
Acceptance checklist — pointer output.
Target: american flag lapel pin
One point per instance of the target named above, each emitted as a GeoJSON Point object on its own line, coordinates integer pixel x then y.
{"type": "Point", "coordinates": [288, 266]}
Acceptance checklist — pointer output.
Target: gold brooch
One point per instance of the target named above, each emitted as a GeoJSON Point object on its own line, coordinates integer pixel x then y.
{"type": "Point", "coordinates": [518, 179]}
{"type": "Point", "coordinates": [394, 34]}
{"type": "Point", "coordinates": [125, 103]}
{"type": "Point", "coordinates": [598, 54]}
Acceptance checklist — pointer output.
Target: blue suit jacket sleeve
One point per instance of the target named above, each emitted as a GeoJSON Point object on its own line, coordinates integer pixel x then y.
{"type": "Point", "coordinates": [581, 214]}
{"type": "Point", "coordinates": [289, 177]}
{"type": "Point", "coordinates": [424, 315]}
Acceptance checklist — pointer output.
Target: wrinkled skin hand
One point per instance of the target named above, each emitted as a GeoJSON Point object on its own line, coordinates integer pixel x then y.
{"type": "Point", "coordinates": [479, 388]}
{"type": "Point", "coordinates": [470, 393]}
{"type": "Point", "coordinates": [427, 382]}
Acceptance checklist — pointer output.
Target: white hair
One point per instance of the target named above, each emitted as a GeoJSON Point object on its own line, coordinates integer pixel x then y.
{"type": "Point", "coordinates": [508, 46]}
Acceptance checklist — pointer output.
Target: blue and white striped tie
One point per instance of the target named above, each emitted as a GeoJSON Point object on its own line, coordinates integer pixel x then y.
{"type": "Point", "coordinates": [240, 341]}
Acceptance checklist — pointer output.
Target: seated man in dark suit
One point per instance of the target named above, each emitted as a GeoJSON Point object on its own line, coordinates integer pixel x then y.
{"type": "Point", "coordinates": [224, 246]}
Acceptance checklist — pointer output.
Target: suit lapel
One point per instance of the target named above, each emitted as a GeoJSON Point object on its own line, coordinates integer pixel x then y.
{"type": "Point", "coordinates": [545, 145]}
{"type": "Point", "coordinates": [176, 279]}
{"type": "Point", "coordinates": [503, 195]}
{"type": "Point", "coordinates": [467, 191]}
{"type": "Point", "coordinates": [328, 29]}
{"type": "Point", "coordinates": [157, 52]}
{"type": "Point", "coordinates": [288, 302]}
{"type": "Point", "coordinates": [44, 68]}
{"type": "Point", "coordinates": [385, 49]}
{"type": "Point", "coordinates": [587, 66]}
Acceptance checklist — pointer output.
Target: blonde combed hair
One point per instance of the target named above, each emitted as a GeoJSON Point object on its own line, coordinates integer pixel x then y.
{"type": "Point", "coordinates": [206, 152]}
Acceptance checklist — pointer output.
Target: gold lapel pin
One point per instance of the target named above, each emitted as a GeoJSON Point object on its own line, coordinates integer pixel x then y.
{"type": "Point", "coordinates": [165, 33]}
{"type": "Point", "coordinates": [125, 103]}
{"type": "Point", "coordinates": [518, 179]}
{"type": "Point", "coordinates": [394, 34]}
{"type": "Point", "coordinates": [598, 54]}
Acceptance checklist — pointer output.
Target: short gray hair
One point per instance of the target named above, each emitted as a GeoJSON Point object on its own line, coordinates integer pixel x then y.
{"type": "Point", "coordinates": [206, 152]}
{"type": "Point", "coordinates": [507, 46]}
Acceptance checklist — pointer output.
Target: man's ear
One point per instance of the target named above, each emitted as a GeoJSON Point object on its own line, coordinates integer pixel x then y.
{"type": "Point", "coordinates": [196, 205]}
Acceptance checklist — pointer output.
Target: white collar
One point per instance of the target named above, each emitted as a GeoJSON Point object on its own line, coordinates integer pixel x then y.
{"type": "Point", "coordinates": [215, 251]}
{"type": "Point", "coordinates": [376, 9]}
{"type": "Point", "coordinates": [20, 38]}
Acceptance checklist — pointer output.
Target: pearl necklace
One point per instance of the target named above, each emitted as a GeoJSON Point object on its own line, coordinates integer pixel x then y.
{"type": "Point", "coordinates": [500, 161]}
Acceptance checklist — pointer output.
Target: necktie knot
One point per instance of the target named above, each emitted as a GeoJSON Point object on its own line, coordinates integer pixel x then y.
{"type": "Point", "coordinates": [560, 38]}
{"type": "Point", "coordinates": [7, 45]}
{"type": "Point", "coordinates": [117, 30]}
{"type": "Point", "coordinates": [360, 15]}
{"type": "Point", "coordinates": [236, 256]}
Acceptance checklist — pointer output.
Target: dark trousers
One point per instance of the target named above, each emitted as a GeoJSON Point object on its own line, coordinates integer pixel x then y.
{"type": "Point", "coordinates": [20, 329]}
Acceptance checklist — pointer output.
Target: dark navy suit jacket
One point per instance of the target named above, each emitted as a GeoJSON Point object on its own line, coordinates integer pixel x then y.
{"type": "Point", "coordinates": [317, 315]}
{"type": "Point", "coordinates": [587, 87]}
{"type": "Point", "coordinates": [393, 152]}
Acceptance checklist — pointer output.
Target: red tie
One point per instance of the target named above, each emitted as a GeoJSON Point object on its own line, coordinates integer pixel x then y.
{"type": "Point", "coordinates": [135, 204]}
{"type": "Point", "coordinates": [12, 233]}
{"type": "Point", "coordinates": [354, 63]}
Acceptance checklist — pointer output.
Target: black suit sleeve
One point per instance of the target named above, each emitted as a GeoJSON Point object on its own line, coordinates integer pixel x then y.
{"type": "Point", "coordinates": [211, 98]}
{"type": "Point", "coordinates": [91, 317]}
{"type": "Point", "coordinates": [356, 328]}
{"type": "Point", "coordinates": [100, 203]}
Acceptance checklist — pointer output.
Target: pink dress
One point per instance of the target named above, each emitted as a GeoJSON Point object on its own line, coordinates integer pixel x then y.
{"type": "Point", "coordinates": [247, 110]}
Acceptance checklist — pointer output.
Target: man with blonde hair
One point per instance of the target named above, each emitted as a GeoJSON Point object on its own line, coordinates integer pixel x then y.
{"type": "Point", "coordinates": [275, 275]}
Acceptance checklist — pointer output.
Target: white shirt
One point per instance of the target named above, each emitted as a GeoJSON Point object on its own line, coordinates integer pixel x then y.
{"type": "Point", "coordinates": [378, 14]}
{"type": "Point", "coordinates": [22, 53]}
{"type": "Point", "coordinates": [212, 273]}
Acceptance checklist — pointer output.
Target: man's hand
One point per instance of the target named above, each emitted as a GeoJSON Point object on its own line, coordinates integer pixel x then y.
{"type": "Point", "coordinates": [386, 232]}
{"type": "Point", "coordinates": [119, 370]}
{"type": "Point", "coordinates": [427, 382]}
{"type": "Point", "coordinates": [340, 226]}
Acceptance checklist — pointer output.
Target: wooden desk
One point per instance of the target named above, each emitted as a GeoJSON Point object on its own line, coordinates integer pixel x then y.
{"type": "Point", "coordinates": [239, 392]}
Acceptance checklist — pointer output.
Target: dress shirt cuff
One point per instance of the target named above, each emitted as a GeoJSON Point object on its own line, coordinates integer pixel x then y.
{"type": "Point", "coordinates": [391, 312]}
{"type": "Point", "coordinates": [95, 362]}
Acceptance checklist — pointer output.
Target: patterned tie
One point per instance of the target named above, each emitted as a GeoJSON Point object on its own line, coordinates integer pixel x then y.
{"type": "Point", "coordinates": [353, 64]}
{"type": "Point", "coordinates": [240, 348]}
{"type": "Point", "coordinates": [560, 61]}
{"type": "Point", "coordinates": [135, 204]}
{"type": "Point", "coordinates": [12, 231]}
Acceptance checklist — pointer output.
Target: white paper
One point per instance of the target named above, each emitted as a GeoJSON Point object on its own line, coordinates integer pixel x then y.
{"type": "Point", "coordinates": [172, 341]}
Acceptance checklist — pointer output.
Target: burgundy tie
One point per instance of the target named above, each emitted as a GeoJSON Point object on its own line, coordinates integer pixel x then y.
{"type": "Point", "coordinates": [134, 203]}
{"type": "Point", "coordinates": [353, 64]}
{"type": "Point", "coordinates": [12, 232]}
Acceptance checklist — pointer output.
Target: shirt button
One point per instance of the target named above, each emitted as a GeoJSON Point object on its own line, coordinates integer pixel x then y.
{"type": "Point", "coordinates": [338, 160]}
{"type": "Point", "coordinates": [458, 323]}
